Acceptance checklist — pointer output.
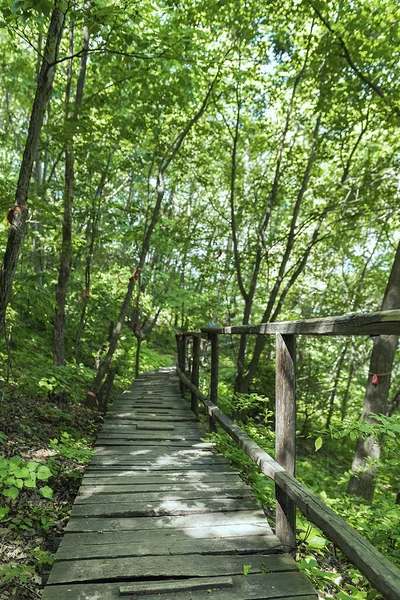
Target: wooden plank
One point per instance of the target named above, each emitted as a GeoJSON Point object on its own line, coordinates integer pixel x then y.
{"type": "Point", "coordinates": [184, 490]}
{"type": "Point", "coordinates": [129, 496]}
{"type": "Point", "coordinates": [189, 427]}
{"type": "Point", "coordinates": [178, 545]}
{"type": "Point", "coordinates": [141, 443]}
{"type": "Point", "coordinates": [270, 586]}
{"type": "Point", "coordinates": [163, 468]}
{"type": "Point", "coordinates": [166, 507]}
{"type": "Point", "coordinates": [169, 536]}
{"type": "Point", "coordinates": [161, 444]}
{"type": "Point", "coordinates": [247, 518]}
{"type": "Point", "coordinates": [135, 414]}
{"type": "Point", "coordinates": [146, 416]}
{"type": "Point", "coordinates": [130, 477]}
{"type": "Point", "coordinates": [179, 425]}
{"type": "Point", "coordinates": [156, 451]}
{"type": "Point", "coordinates": [285, 445]}
{"type": "Point", "coordinates": [159, 460]}
{"type": "Point", "coordinates": [169, 587]}
{"type": "Point", "coordinates": [142, 435]}
{"type": "Point", "coordinates": [378, 323]}
{"type": "Point", "coordinates": [165, 566]}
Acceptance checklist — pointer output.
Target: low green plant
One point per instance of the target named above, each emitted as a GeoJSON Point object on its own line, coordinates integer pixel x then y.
{"type": "Point", "coordinates": [310, 537]}
{"type": "Point", "coordinates": [68, 447]}
{"type": "Point", "coordinates": [17, 572]}
{"type": "Point", "coordinates": [16, 474]}
{"type": "Point", "coordinates": [42, 558]}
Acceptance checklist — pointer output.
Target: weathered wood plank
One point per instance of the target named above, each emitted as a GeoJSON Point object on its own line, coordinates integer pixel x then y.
{"type": "Point", "coordinates": [127, 494]}
{"type": "Point", "coordinates": [155, 451]}
{"type": "Point", "coordinates": [114, 569]}
{"type": "Point", "coordinates": [168, 536]}
{"type": "Point", "coordinates": [285, 445]}
{"type": "Point", "coordinates": [378, 323]}
{"type": "Point", "coordinates": [155, 444]}
{"type": "Point", "coordinates": [159, 461]}
{"type": "Point", "coordinates": [271, 586]}
{"type": "Point", "coordinates": [139, 477]}
{"type": "Point", "coordinates": [136, 414]}
{"type": "Point", "coordinates": [147, 416]}
{"type": "Point", "coordinates": [165, 507]}
{"type": "Point", "coordinates": [247, 518]}
{"type": "Point", "coordinates": [101, 469]}
{"type": "Point", "coordinates": [173, 546]}
{"type": "Point", "coordinates": [169, 587]}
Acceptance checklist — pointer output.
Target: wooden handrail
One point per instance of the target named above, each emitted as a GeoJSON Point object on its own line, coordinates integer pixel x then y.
{"type": "Point", "coordinates": [378, 323]}
{"type": "Point", "coordinates": [382, 574]}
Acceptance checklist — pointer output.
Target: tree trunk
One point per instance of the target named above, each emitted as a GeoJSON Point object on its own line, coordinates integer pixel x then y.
{"type": "Point", "coordinates": [137, 358]}
{"type": "Point", "coordinates": [91, 398]}
{"type": "Point", "coordinates": [66, 247]}
{"type": "Point", "coordinates": [93, 224]}
{"type": "Point", "coordinates": [20, 211]}
{"type": "Point", "coordinates": [375, 402]}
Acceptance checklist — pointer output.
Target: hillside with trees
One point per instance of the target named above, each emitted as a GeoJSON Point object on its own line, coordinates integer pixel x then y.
{"type": "Point", "coordinates": [169, 165]}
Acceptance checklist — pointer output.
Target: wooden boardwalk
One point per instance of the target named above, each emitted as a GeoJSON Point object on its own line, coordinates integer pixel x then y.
{"type": "Point", "coordinates": [160, 515]}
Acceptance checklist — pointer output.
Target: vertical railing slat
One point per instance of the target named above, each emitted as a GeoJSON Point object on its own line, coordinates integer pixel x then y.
{"type": "Point", "coordinates": [195, 372]}
{"type": "Point", "coordinates": [285, 448]}
{"type": "Point", "coordinates": [213, 337]}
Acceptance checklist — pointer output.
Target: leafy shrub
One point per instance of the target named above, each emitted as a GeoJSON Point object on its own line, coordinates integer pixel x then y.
{"type": "Point", "coordinates": [16, 474]}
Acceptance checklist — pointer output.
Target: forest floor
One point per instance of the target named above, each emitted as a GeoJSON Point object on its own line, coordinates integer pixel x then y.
{"type": "Point", "coordinates": [46, 443]}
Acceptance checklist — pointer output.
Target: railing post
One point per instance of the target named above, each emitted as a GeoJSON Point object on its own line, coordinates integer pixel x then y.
{"type": "Point", "coordinates": [195, 372]}
{"type": "Point", "coordinates": [213, 337]}
{"type": "Point", "coordinates": [285, 448]}
{"type": "Point", "coordinates": [180, 343]}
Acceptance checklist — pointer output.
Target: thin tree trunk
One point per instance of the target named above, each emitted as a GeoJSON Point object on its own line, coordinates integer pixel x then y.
{"type": "Point", "coordinates": [343, 408]}
{"type": "Point", "coordinates": [298, 269]}
{"type": "Point", "coordinates": [375, 402]}
{"type": "Point", "coordinates": [66, 248]}
{"type": "Point", "coordinates": [241, 382]}
{"type": "Point", "coordinates": [95, 218]}
{"type": "Point", "coordinates": [20, 211]}
{"type": "Point", "coordinates": [91, 398]}
{"type": "Point", "coordinates": [336, 380]}
{"type": "Point", "coordinates": [137, 358]}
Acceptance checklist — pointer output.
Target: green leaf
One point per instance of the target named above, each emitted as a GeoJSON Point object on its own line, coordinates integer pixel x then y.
{"type": "Point", "coordinates": [3, 512]}
{"type": "Point", "coordinates": [31, 482]}
{"type": "Point", "coordinates": [46, 492]}
{"type": "Point", "coordinates": [246, 569]}
{"type": "Point", "coordinates": [44, 473]}
{"type": "Point", "coordinates": [318, 444]}
{"type": "Point", "coordinates": [11, 492]}
{"type": "Point", "coordinates": [32, 466]}
{"type": "Point", "coordinates": [21, 473]}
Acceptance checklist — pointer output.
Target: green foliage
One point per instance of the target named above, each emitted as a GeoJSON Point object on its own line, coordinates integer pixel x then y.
{"type": "Point", "coordinates": [71, 448]}
{"type": "Point", "coordinates": [16, 474]}
{"type": "Point", "coordinates": [19, 572]}
{"type": "Point", "coordinates": [246, 570]}
{"type": "Point", "coordinates": [42, 558]}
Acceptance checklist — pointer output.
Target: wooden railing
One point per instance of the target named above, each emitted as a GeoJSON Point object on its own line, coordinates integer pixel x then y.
{"type": "Point", "coordinates": [289, 492]}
